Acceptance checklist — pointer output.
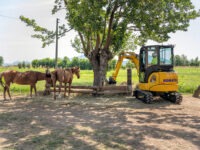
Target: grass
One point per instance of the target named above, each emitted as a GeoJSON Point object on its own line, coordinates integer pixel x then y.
{"type": "Point", "coordinates": [188, 79]}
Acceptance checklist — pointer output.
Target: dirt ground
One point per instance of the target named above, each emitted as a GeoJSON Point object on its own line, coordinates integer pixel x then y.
{"type": "Point", "coordinates": [107, 122]}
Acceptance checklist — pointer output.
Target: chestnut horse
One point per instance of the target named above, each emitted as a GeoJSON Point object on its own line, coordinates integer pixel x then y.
{"type": "Point", "coordinates": [23, 78]}
{"type": "Point", "coordinates": [64, 76]}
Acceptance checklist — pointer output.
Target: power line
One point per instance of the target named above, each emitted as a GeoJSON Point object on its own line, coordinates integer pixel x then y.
{"type": "Point", "coordinates": [9, 17]}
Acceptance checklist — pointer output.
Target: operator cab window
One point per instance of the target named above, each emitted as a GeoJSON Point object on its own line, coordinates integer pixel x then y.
{"type": "Point", "coordinates": [152, 56]}
{"type": "Point", "coordinates": [165, 56]}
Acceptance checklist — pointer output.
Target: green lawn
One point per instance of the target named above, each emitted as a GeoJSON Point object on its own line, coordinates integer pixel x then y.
{"type": "Point", "coordinates": [188, 78]}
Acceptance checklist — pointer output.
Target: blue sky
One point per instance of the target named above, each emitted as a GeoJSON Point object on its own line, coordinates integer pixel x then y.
{"type": "Point", "coordinates": [16, 43]}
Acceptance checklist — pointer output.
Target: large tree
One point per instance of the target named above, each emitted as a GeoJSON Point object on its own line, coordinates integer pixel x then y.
{"type": "Point", "coordinates": [105, 27]}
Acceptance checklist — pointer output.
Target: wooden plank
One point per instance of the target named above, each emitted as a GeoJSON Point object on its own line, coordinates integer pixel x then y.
{"type": "Point", "coordinates": [98, 90]}
{"type": "Point", "coordinates": [113, 88]}
{"type": "Point", "coordinates": [75, 91]}
{"type": "Point", "coordinates": [79, 87]}
{"type": "Point", "coordinates": [83, 91]}
{"type": "Point", "coordinates": [122, 87]}
{"type": "Point", "coordinates": [113, 92]}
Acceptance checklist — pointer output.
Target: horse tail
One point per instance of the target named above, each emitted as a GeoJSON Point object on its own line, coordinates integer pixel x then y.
{"type": "Point", "coordinates": [56, 75]}
{"type": "Point", "coordinates": [1, 82]}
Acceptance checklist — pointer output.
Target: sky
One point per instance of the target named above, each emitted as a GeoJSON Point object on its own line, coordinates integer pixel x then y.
{"type": "Point", "coordinates": [16, 43]}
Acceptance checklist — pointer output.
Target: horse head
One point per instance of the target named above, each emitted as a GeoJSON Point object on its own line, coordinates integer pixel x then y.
{"type": "Point", "coordinates": [48, 73]}
{"type": "Point", "coordinates": [76, 71]}
{"type": "Point", "coordinates": [48, 76]}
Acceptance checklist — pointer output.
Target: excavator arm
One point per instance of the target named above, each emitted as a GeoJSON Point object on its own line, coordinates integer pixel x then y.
{"type": "Point", "coordinates": [125, 55]}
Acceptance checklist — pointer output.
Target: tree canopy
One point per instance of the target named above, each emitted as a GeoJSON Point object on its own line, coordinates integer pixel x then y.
{"type": "Point", "coordinates": [110, 23]}
{"type": "Point", "coordinates": [106, 27]}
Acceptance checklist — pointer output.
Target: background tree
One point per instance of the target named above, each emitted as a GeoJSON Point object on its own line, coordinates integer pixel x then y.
{"type": "Point", "coordinates": [104, 27]}
{"type": "Point", "coordinates": [84, 64]}
{"type": "Point", "coordinates": [35, 63]}
{"type": "Point", "coordinates": [1, 60]}
{"type": "Point", "coordinates": [112, 64]}
{"type": "Point", "coordinates": [65, 62]}
{"type": "Point", "coordinates": [177, 60]}
{"type": "Point", "coordinates": [130, 64]}
{"type": "Point", "coordinates": [194, 62]}
{"type": "Point", "coordinates": [74, 62]}
{"type": "Point", "coordinates": [19, 65]}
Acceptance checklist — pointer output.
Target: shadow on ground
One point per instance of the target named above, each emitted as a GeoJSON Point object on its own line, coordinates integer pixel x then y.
{"type": "Point", "coordinates": [86, 122]}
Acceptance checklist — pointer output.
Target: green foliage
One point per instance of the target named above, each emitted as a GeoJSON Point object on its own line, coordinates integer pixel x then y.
{"type": "Point", "coordinates": [74, 62]}
{"type": "Point", "coordinates": [47, 37]}
{"type": "Point", "coordinates": [83, 63]}
{"type": "Point", "coordinates": [112, 63]}
{"type": "Point", "coordinates": [152, 19]}
{"type": "Point", "coordinates": [129, 64]}
{"type": "Point", "coordinates": [23, 64]}
{"type": "Point", "coordinates": [65, 62]}
{"type": "Point", "coordinates": [111, 23]}
{"type": "Point", "coordinates": [195, 62]}
{"type": "Point", "coordinates": [183, 61]}
{"type": "Point", "coordinates": [19, 65]}
{"type": "Point", "coordinates": [1, 60]}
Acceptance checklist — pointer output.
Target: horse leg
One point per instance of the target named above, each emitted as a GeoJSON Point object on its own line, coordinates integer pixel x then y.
{"type": "Point", "coordinates": [60, 85]}
{"type": "Point", "coordinates": [4, 92]}
{"type": "Point", "coordinates": [54, 89]}
{"type": "Point", "coordinates": [69, 88]}
{"type": "Point", "coordinates": [35, 89]}
{"type": "Point", "coordinates": [31, 88]}
{"type": "Point", "coordinates": [65, 89]}
{"type": "Point", "coordinates": [8, 90]}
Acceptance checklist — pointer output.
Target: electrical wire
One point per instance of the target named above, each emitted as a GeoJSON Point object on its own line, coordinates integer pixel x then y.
{"type": "Point", "coordinates": [9, 17]}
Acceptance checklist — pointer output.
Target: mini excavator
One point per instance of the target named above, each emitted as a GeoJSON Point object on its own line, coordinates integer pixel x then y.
{"type": "Point", "coordinates": [157, 77]}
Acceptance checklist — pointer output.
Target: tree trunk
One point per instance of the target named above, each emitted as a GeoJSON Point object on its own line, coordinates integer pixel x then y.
{"type": "Point", "coordinates": [99, 59]}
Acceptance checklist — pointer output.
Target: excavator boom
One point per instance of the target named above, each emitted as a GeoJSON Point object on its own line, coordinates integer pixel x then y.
{"type": "Point", "coordinates": [125, 55]}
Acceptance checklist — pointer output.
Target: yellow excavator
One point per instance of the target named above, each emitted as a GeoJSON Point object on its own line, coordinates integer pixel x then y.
{"type": "Point", "coordinates": [157, 77]}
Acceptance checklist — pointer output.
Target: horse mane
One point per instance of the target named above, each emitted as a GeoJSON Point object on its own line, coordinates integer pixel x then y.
{"type": "Point", "coordinates": [69, 69]}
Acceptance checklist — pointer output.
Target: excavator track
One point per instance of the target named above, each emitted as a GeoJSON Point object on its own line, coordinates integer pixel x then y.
{"type": "Point", "coordinates": [174, 97]}
{"type": "Point", "coordinates": [144, 96]}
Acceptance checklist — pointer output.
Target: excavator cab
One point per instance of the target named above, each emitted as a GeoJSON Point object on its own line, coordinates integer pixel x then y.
{"type": "Point", "coordinates": [155, 58]}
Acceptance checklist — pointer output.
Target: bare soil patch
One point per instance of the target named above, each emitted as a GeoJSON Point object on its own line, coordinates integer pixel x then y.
{"type": "Point", "coordinates": [96, 123]}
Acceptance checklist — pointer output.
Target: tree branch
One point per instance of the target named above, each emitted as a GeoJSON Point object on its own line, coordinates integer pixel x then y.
{"type": "Point", "coordinates": [98, 39]}
{"type": "Point", "coordinates": [110, 26]}
{"type": "Point", "coordinates": [82, 41]}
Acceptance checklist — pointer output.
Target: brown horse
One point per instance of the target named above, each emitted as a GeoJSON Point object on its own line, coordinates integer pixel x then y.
{"type": "Point", "coordinates": [64, 76]}
{"type": "Point", "coordinates": [23, 78]}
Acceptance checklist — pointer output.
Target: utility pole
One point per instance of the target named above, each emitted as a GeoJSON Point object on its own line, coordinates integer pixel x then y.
{"type": "Point", "coordinates": [56, 55]}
